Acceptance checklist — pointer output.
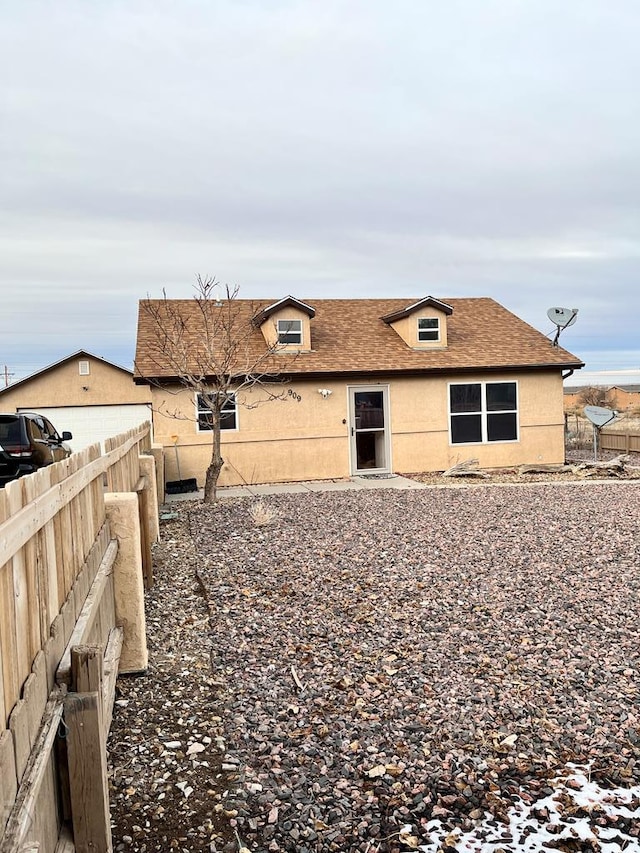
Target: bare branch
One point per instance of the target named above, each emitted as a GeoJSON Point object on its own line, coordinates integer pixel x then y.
{"type": "Point", "coordinates": [209, 346]}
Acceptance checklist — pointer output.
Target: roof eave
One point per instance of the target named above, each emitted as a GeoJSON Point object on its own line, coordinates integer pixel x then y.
{"type": "Point", "coordinates": [285, 302]}
{"type": "Point", "coordinates": [406, 312]}
{"type": "Point", "coordinates": [78, 354]}
{"type": "Point", "coordinates": [390, 371]}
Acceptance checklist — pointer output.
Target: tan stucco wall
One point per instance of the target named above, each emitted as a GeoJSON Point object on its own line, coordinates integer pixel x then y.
{"type": "Point", "coordinates": [288, 439]}
{"type": "Point", "coordinates": [64, 386]}
{"type": "Point", "coordinates": [122, 514]}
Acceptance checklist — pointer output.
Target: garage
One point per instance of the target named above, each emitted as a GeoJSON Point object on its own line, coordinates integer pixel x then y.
{"type": "Point", "coordinates": [89, 424]}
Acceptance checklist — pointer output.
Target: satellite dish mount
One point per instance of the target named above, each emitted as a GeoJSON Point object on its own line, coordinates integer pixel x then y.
{"type": "Point", "coordinates": [562, 317]}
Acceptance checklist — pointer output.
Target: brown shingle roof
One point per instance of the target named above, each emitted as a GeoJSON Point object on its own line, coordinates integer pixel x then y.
{"type": "Point", "coordinates": [348, 336]}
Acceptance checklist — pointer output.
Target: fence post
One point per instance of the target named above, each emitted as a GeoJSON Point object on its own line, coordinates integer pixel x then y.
{"type": "Point", "coordinates": [157, 451]}
{"type": "Point", "coordinates": [148, 470]}
{"type": "Point", "coordinates": [142, 491]}
{"type": "Point", "coordinates": [128, 586]}
{"type": "Point", "coordinates": [87, 753]}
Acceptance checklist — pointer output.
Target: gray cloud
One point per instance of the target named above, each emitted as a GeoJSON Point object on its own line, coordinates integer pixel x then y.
{"type": "Point", "coordinates": [327, 149]}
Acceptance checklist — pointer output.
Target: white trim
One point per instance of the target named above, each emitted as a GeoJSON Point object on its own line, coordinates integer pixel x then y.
{"type": "Point", "coordinates": [483, 412]}
{"type": "Point", "coordinates": [386, 407]}
{"type": "Point", "coordinates": [288, 329]}
{"type": "Point", "coordinates": [274, 307]}
{"type": "Point", "coordinates": [432, 329]}
{"type": "Point", "coordinates": [436, 303]}
{"type": "Point", "coordinates": [84, 368]}
{"type": "Point", "coordinates": [222, 429]}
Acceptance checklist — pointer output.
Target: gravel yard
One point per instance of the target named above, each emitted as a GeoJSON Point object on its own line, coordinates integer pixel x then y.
{"type": "Point", "coordinates": [383, 670]}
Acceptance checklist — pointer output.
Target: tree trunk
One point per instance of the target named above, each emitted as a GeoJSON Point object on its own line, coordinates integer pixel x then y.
{"type": "Point", "coordinates": [216, 463]}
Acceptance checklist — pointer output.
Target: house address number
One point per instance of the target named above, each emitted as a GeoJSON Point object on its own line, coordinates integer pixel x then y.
{"type": "Point", "coordinates": [294, 395]}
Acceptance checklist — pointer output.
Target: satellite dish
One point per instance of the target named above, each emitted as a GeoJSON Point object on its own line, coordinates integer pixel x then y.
{"type": "Point", "coordinates": [599, 415]}
{"type": "Point", "coordinates": [562, 317]}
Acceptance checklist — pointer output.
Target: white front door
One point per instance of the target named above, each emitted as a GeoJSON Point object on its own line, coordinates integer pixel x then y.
{"type": "Point", "coordinates": [369, 429]}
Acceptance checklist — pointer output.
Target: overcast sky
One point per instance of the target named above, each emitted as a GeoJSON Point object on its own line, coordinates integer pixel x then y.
{"type": "Point", "coordinates": [318, 148]}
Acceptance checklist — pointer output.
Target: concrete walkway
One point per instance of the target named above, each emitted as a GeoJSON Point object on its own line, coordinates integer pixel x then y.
{"type": "Point", "coordinates": [393, 481]}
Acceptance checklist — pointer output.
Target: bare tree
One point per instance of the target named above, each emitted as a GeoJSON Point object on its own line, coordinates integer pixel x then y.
{"type": "Point", "coordinates": [595, 395]}
{"type": "Point", "coordinates": [209, 346]}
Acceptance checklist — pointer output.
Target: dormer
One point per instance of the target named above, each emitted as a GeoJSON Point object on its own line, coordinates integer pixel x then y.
{"type": "Point", "coordinates": [286, 325]}
{"type": "Point", "coordinates": [422, 325]}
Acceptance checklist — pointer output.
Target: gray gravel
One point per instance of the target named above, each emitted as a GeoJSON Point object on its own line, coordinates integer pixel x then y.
{"type": "Point", "coordinates": [389, 657]}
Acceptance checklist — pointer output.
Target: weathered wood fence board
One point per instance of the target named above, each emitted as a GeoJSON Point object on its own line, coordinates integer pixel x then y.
{"type": "Point", "coordinates": [35, 812]}
{"type": "Point", "coordinates": [56, 595]}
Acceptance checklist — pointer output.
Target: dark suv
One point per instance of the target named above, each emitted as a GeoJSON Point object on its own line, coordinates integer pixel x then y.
{"type": "Point", "coordinates": [28, 441]}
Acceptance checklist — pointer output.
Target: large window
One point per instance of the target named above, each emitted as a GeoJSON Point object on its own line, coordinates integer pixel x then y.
{"type": "Point", "coordinates": [228, 415]}
{"type": "Point", "coordinates": [428, 329]}
{"type": "Point", "coordinates": [290, 331]}
{"type": "Point", "coordinates": [483, 411]}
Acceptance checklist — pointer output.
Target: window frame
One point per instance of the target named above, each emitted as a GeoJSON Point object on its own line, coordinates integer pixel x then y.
{"type": "Point", "coordinates": [289, 331]}
{"type": "Point", "coordinates": [485, 413]}
{"type": "Point", "coordinates": [203, 410]}
{"type": "Point", "coordinates": [435, 329]}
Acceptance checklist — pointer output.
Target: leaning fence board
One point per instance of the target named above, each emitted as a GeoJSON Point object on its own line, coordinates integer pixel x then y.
{"type": "Point", "coordinates": [36, 774]}
{"type": "Point", "coordinates": [8, 778]}
{"type": "Point", "coordinates": [19, 727]}
{"type": "Point", "coordinates": [84, 625]}
{"type": "Point", "coordinates": [35, 693]}
{"type": "Point", "coordinates": [111, 662]}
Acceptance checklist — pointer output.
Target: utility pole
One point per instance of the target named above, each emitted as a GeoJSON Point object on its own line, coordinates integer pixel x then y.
{"type": "Point", "coordinates": [6, 375]}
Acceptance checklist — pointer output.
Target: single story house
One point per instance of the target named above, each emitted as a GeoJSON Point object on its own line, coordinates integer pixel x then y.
{"type": "Point", "coordinates": [89, 396]}
{"type": "Point", "coordinates": [622, 398]}
{"type": "Point", "coordinates": [373, 386]}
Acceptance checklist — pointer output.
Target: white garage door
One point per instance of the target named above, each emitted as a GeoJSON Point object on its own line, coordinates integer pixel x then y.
{"type": "Point", "coordinates": [89, 424]}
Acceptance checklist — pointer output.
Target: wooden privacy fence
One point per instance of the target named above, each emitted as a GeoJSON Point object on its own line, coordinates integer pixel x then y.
{"type": "Point", "coordinates": [624, 442]}
{"type": "Point", "coordinates": [68, 543]}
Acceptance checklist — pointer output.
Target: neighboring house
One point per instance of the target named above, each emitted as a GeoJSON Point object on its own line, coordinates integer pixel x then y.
{"type": "Point", "coordinates": [374, 386]}
{"type": "Point", "coordinates": [83, 393]}
{"type": "Point", "coordinates": [622, 398]}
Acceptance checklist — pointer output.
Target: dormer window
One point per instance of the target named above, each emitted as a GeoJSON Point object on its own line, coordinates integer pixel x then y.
{"type": "Point", "coordinates": [285, 325]}
{"type": "Point", "coordinates": [428, 329]}
{"type": "Point", "coordinates": [290, 332]}
{"type": "Point", "coordinates": [423, 325]}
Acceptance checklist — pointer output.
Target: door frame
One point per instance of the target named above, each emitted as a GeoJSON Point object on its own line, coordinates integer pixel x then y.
{"type": "Point", "coordinates": [353, 456]}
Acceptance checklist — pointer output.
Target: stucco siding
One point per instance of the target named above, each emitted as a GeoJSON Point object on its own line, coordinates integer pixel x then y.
{"type": "Point", "coordinates": [306, 435]}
